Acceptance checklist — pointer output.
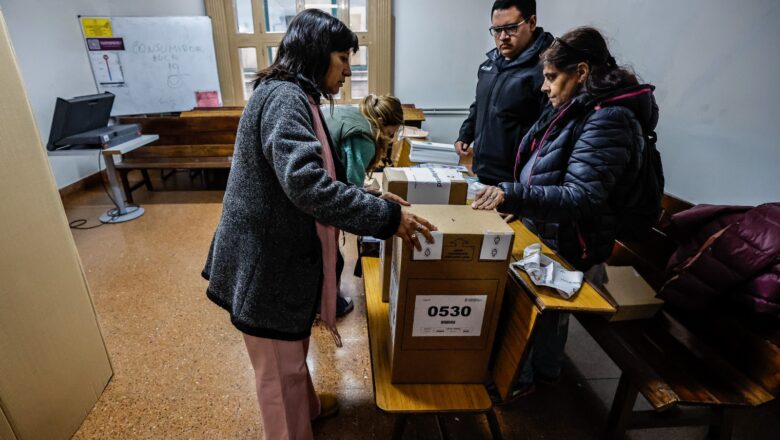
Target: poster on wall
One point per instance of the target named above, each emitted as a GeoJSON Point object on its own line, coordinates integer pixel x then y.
{"type": "Point", "coordinates": [96, 27]}
{"type": "Point", "coordinates": [107, 68]}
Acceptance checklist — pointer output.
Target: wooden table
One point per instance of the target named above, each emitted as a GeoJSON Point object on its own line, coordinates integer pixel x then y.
{"type": "Point", "coordinates": [413, 116]}
{"type": "Point", "coordinates": [587, 300]}
{"type": "Point", "coordinates": [524, 301]}
{"type": "Point", "coordinates": [410, 399]}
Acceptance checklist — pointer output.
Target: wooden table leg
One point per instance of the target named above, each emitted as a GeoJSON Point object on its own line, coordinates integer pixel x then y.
{"type": "Point", "coordinates": [440, 427]}
{"type": "Point", "coordinates": [622, 409]}
{"type": "Point", "coordinates": [399, 425]}
{"type": "Point", "coordinates": [495, 428]}
{"type": "Point", "coordinates": [723, 430]}
{"type": "Point", "coordinates": [147, 180]}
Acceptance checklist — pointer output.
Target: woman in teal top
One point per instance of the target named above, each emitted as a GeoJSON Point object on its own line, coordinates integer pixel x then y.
{"type": "Point", "coordinates": [362, 135]}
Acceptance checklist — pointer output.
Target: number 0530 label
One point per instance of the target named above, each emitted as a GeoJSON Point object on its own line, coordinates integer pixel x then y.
{"type": "Point", "coordinates": [448, 315]}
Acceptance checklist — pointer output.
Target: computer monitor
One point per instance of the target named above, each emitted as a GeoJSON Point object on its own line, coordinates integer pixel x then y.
{"type": "Point", "coordinates": [78, 115]}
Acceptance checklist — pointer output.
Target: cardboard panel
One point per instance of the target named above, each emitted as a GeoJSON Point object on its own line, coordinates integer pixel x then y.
{"type": "Point", "coordinates": [395, 181]}
{"type": "Point", "coordinates": [631, 294]}
{"type": "Point", "coordinates": [6, 433]}
{"type": "Point", "coordinates": [385, 255]}
{"type": "Point", "coordinates": [444, 305]}
{"type": "Point", "coordinates": [53, 363]}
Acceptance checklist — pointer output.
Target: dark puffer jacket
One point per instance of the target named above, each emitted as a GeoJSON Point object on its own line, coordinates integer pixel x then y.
{"type": "Point", "coordinates": [508, 101]}
{"type": "Point", "coordinates": [726, 252]}
{"type": "Point", "coordinates": [577, 186]}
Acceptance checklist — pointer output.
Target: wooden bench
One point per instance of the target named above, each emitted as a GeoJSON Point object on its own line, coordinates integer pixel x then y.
{"type": "Point", "coordinates": [404, 400]}
{"type": "Point", "coordinates": [198, 139]}
{"type": "Point", "coordinates": [693, 368]}
{"type": "Point", "coordinates": [186, 142]}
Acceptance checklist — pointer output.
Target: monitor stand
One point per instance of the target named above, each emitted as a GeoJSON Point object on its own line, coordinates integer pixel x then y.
{"type": "Point", "coordinates": [122, 212]}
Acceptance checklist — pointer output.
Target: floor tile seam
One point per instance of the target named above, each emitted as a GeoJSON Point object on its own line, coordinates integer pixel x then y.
{"type": "Point", "coordinates": [141, 394]}
{"type": "Point", "coordinates": [601, 378]}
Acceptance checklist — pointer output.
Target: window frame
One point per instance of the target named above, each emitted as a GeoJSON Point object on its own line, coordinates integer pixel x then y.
{"type": "Point", "coordinates": [227, 42]}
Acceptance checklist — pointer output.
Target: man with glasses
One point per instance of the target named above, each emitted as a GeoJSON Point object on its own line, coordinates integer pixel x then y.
{"type": "Point", "coordinates": [509, 97]}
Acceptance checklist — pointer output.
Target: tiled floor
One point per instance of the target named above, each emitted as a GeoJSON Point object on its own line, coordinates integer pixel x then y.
{"type": "Point", "coordinates": [181, 370]}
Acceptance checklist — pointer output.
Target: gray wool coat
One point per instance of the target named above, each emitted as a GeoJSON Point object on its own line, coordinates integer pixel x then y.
{"type": "Point", "coordinates": [265, 262]}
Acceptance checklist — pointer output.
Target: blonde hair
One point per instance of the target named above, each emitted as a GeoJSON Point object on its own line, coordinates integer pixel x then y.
{"type": "Point", "coordinates": [388, 108]}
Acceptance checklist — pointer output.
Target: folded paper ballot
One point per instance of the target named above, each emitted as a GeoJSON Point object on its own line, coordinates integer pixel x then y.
{"type": "Point", "coordinates": [412, 132]}
{"type": "Point", "coordinates": [433, 152]}
{"type": "Point", "coordinates": [544, 271]}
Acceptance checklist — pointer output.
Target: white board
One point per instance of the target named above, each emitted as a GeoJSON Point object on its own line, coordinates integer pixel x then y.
{"type": "Point", "coordinates": [439, 45]}
{"type": "Point", "coordinates": [153, 64]}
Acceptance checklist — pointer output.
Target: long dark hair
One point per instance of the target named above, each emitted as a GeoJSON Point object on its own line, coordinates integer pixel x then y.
{"type": "Point", "coordinates": [587, 45]}
{"type": "Point", "coordinates": [304, 53]}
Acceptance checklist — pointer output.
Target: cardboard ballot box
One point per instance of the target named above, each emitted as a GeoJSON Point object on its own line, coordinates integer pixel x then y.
{"type": "Point", "coordinates": [445, 300]}
{"type": "Point", "coordinates": [630, 294]}
{"type": "Point", "coordinates": [431, 186]}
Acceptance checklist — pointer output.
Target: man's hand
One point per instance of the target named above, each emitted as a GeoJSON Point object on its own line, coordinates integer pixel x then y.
{"type": "Point", "coordinates": [488, 198]}
{"type": "Point", "coordinates": [463, 149]}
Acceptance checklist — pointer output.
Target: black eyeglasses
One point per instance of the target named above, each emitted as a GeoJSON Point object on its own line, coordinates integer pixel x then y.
{"type": "Point", "coordinates": [510, 29]}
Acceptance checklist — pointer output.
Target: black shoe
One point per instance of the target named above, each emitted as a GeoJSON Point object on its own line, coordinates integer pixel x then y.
{"type": "Point", "coordinates": [344, 305]}
{"type": "Point", "coordinates": [546, 379]}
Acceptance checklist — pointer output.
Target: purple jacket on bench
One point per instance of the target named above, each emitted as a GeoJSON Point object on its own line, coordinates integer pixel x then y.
{"type": "Point", "coordinates": [742, 263]}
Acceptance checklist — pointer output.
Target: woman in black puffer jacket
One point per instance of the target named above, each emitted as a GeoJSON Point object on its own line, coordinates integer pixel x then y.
{"type": "Point", "coordinates": [574, 169]}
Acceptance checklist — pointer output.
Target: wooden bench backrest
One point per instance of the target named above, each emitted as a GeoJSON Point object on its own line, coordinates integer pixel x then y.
{"type": "Point", "coordinates": [207, 136]}
{"type": "Point", "coordinates": [649, 256]}
{"type": "Point", "coordinates": [744, 341]}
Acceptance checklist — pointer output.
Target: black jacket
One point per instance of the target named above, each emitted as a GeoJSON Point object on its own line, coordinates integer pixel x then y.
{"type": "Point", "coordinates": [508, 101]}
{"type": "Point", "coordinates": [577, 185]}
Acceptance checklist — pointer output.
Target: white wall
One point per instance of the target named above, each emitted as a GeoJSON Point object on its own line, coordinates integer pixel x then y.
{"type": "Point", "coordinates": [716, 66]}
{"type": "Point", "coordinates": [715, 63]}
{"type": "Point", "coordinates": [438, 46]}
{"type": "Point", "coordinates": [156, 8]}
{"type": "Point", "coordinates": [50, 50]}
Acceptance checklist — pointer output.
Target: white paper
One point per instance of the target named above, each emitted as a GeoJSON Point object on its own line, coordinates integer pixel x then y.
{"type": "Point", "coordinates": [475, 186]}
{"type": "Point", "coordinates": [544, 271]}
{"type": "Point", "coordinates": [430, 251]}
{"type": "Point", "coordinates": [106, 67]}
{"type": "Point", "coordinates": [458, 168]}
{"type": "Point", "coordinates": [433, 152]}
{"type": "Point", "coordinates": [430, 186]}
{"type": "Point", "coordinates": [495, 245]}
{"type": "Point", "coordinates": [448, 315]}
{"type": "Point", "coordinates": [412, 132]}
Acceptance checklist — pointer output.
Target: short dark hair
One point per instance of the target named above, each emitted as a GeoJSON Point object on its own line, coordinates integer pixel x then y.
{"type": "Point", "coordinates": [526, 7]}
{"type": "Point", "coordinates": [304, 53]}
{"type": "Point", "coordinates": [587, 45]}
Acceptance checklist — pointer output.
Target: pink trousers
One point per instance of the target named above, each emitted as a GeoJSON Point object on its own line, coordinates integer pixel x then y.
{"type": "Point", "coordinates": [285, 391]}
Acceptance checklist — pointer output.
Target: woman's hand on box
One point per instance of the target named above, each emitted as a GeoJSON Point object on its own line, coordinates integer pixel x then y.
{"type": "Point", "coordinates": [410, 228]}
{"type": "Point", "coordinates": [488, 198]}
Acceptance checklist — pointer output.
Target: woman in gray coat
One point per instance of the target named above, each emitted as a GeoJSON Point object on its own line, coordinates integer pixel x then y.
{"type": "Point", "coordinates": [272, 259]}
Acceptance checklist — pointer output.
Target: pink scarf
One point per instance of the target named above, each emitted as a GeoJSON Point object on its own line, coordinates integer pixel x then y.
{"type": "Point", "coordinates": [328, 236]}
